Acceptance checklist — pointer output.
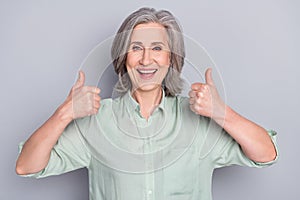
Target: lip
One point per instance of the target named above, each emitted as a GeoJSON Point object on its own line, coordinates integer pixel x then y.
{"type": "Point", "coordinates": [145, 73]}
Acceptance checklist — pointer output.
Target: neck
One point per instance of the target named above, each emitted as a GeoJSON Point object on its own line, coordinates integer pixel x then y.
{"type": "Point", "coordinates": [148, 100]}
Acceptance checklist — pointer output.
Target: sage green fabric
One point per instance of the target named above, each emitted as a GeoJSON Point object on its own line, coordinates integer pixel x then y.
{"type": "Point", "coordinates": [171, 155]}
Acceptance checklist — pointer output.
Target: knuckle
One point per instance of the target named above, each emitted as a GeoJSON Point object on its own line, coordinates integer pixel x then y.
{"type": "Point", "coordinates": [198, 101]}
{"type": "Point", "coordinates": [195, 86]}
{"type": "Point", "coordinates": [191, 94]}
{"type": "Point", "coordinates": [196, 107]}
{"type": "Point", "coordinates": [97, 105]}
{"type": "Point", "coordinates": [97, 98]}
{"type": "Point", "coordinates": [191, 100]}
{"type": "Point", "coordinates": [95, 111]}
{"type": "Point", "coordinates": [98, 90]}
{"type": "Point", "coordinates": [200, 94]}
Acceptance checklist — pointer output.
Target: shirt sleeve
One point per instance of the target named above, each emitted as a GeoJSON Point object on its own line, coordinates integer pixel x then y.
{"type": "Point", "coordinates": [69, 153]}
{"type": "Point", "coordinates": [228, 152]}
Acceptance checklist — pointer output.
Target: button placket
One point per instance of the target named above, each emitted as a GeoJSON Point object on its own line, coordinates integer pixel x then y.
{"type": "Point", "coordinates": [149, 175]}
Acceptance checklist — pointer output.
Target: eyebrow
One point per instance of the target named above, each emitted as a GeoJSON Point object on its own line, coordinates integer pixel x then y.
{"type": "Point", "coordinates": [153, 43]}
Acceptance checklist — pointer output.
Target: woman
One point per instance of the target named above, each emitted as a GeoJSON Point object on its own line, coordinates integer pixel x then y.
{"type": "Point", "coordinates": [149, 143]}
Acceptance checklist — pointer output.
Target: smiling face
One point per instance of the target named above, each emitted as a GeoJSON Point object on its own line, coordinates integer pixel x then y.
{"type": "Point", "coordinates": [148, 56]}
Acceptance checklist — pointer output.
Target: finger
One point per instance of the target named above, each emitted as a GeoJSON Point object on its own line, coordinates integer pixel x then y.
{"type": "Point", "coordinates": [97, 90]}
{"type": "Point", "coordinates": [192, 107]}
{"type": "Point", "coordinates": [208, 77]}
{"type": "Point", "coordinates": [97, 97]}
{"type": "Point", "coordinates": [94, 111]}
{"type": "Point", "coordinates": [97, 104]}
{"type": "Point", "coordinates": [192, 101]}
{"type": "Point", "coordinates": [192, 93]}
{"type": "Point", "coordinates": [198, 101]}
{"type": "Point", "coordinates": [196, 86]}
{"type": "Point", "coordinates": [195, 108]}
{"type": "Point", "coordinates": [200, 94]}
{"type": "Point", "coordinates": [91, 89]}
{"type": "Point", "coordinates": [81, 79]}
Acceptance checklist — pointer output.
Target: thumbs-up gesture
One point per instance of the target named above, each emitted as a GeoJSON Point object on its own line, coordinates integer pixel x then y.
{"type": "Point", "coordinates": [205, 99]}
{"type": "Point", "coordinates": [83, 100]}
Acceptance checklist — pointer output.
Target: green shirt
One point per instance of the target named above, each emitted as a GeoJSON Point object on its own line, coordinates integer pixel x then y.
{"type": "Point", "coordinates": [171, 155]}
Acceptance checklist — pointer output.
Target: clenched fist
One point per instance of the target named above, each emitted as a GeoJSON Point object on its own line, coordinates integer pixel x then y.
{"type": "Point", "coordinates": [205, 99]}
{"type": "Point", "coordinates": [84, 100]}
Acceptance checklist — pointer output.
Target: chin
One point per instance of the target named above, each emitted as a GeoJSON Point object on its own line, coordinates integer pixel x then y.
{"type": "Point", "coordinates": [148, 87]}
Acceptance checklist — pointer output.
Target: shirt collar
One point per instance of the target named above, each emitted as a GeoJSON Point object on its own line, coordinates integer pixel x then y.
{"type": "Point", "coordinates": [133, 105]}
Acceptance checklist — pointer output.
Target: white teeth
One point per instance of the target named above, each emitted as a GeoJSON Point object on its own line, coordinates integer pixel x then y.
{"type": "Point", "coordinates": [146, 71]}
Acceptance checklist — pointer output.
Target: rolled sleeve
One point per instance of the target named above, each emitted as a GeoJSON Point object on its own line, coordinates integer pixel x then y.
{"type": "Point", "coordinates": [273, 136]}
{"type": "Point", "coordinates": [33, 175]}
{"type": "Point", "coordinates": [69, 153]}
{"type": "Point", "coordinates": [229, 152]}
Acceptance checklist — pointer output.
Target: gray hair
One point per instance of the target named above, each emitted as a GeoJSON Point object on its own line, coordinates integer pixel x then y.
{"type": "Point", "coordinates": [172, 83]}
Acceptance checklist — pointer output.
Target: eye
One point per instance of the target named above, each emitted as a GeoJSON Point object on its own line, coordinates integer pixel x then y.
{"type": "Point", "coordinates": [157, 48]}
{"type": "Point", "coordinates": [136, 48]}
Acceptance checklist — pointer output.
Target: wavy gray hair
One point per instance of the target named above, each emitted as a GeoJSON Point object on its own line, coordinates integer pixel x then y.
{"type": "Point", "coordinates": [172, 83]}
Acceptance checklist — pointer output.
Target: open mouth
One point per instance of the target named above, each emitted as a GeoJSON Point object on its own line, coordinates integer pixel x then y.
{"type": "Point", "coordinates": [147, 73]}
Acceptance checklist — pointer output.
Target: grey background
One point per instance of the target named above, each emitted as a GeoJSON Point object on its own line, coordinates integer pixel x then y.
{"type": "Point", "coordinates": [254, 43]}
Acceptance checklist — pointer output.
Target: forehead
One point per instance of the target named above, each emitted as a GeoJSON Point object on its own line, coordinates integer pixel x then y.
{"type": "Point", "coordinates": [148, 33]}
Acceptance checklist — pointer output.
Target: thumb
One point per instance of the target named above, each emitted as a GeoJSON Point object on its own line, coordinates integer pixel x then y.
{"type": "Point", "coordinates": [81, 79]}
{"type": "Point", "coordinates": [208, 77]}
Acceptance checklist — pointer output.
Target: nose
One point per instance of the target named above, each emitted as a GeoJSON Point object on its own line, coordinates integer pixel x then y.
{"type": "Point", "coordinates": [146, 58]}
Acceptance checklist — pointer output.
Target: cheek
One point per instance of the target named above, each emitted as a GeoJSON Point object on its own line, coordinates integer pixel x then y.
{"type": "Point", "coordinates": [130, 61]}
{"type": "Point", "coordinates": [164, 59]}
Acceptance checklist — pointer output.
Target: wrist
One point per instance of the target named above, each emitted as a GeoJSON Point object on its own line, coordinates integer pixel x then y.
{"type": "Point", "coordinates": [221, 115]}
{"type": "Point", "coordinates": [64, 112]}
{"type": "Point", "coordinates": [230, 117]}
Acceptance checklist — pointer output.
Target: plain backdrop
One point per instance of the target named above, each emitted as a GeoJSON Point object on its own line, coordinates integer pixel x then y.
{"type": "Point", "coordinates": [255, 45]}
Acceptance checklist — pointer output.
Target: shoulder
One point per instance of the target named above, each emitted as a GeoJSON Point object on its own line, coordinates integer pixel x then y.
{"type": "Point", "coordinates": [183, 105]}
{"type": "Point", "coordinates": [109, 106]}
{"type": "Point", "coordinates": [177, 100]}
{"type": "Point", "coordinates": [180, 106]}
{"type": "Point", "coordinates": [106, 102]}
{"type": "Point", "coordinates": [105, 107]}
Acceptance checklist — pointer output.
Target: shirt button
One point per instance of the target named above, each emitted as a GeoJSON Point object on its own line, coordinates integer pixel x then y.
{"type": "Point", "coordinates": [150, 192]}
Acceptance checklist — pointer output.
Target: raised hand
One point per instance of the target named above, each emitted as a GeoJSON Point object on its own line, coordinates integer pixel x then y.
{"type": "Point", "coordinates": [84, 100]}
{"type": "Point", "coordinates": [205, 99]}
